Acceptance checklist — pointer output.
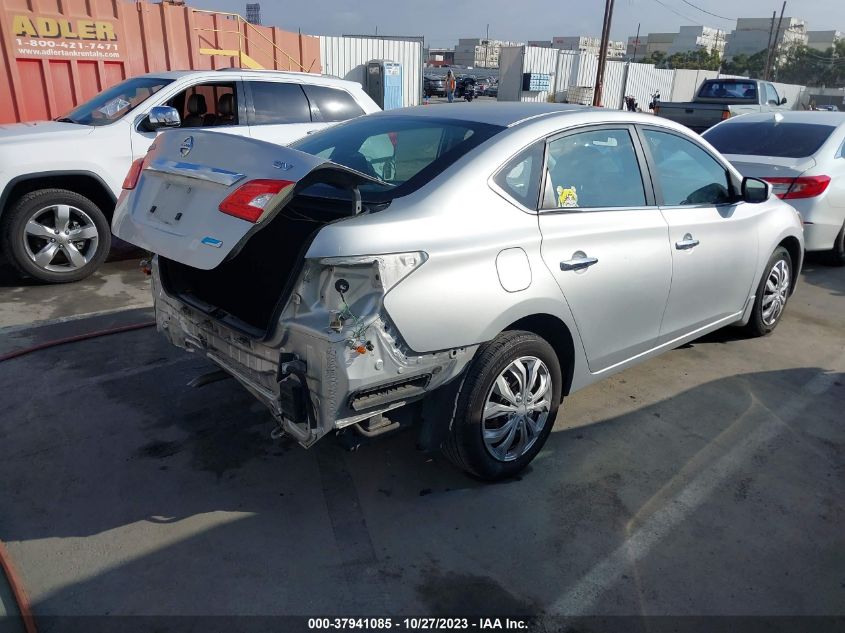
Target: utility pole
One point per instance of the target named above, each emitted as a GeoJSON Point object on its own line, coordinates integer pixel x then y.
{"type": "Point", "coordinates": [777, 34]}
{"type": "Point", "coordinates": [636, 43]}
{"type": "Point", "coordinates": [769, 47]}
{"type": "Point", "coordinates": [486, 47]}
{"type": "Point", "coordinates": [605, 36]}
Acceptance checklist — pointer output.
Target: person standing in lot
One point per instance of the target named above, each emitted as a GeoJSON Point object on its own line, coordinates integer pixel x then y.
{"type": "Point", "coordinates": [450, 86]}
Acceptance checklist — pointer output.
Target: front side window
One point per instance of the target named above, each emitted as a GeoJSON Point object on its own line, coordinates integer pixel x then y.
{"type": "Point", "coordinates": [520, 177]}
{"type": "Point", "coordinates": [276, 102]}
{"type": "Point", "coordinates": [333, 104]}
{"type": "Point", "coordinates": [772, 95]}
{"type": "Point", "coordinates": [686, 174]}
{"type": "Point", "coordinates": [112, 104]}
{"type": "Point", "coordinates": [593, 169]}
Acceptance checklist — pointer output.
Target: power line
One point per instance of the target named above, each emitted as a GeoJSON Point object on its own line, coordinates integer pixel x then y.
{"type": "Point", "coordinates": [685, 17]}
{"type": "Point", "coordinates": [715, 15]}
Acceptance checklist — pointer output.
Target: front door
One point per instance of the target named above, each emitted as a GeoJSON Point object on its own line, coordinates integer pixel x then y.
{"type": "Point", "coordinates": [604, 240]}
{"type": "Point", "coordinates": [712, 237]}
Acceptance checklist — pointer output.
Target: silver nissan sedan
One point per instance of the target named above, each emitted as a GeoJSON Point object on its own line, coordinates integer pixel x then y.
{"type": "Point", "coordinates": [462, 268]}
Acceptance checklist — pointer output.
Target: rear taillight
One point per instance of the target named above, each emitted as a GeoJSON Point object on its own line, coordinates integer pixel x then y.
{"type": "Point", "coordinates": [134, 173]}
{"type": "Point", "coordinates": [802, 187]}
{"type": "Point", "coordinates": [249, 201]}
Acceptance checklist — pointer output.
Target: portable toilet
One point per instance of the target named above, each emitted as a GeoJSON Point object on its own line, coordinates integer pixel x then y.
{"type": "Point", "coordinates": [384, 83]}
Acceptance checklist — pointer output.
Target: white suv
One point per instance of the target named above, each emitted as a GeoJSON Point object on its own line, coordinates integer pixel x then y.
{"type": "Point", "coordinates": [59, 180]}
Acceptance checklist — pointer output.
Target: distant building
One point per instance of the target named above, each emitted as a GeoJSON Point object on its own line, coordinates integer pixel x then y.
{"type": "Point", "coordinates": [659, 43]}
{"type": "Point", "coordinates": [587, 44]}
{"type": "Point", "coordinates": [479, 52]}
{"type": "Point", "coordinates": [540, 43]}
{"type": "Point", "coordinates": [697, 38]}
{"type": "Point", "coordinates": [253, 13]}
{"type": "Point", "coordinates": [440, 56]}
{"type": "Point", "coordinates": [636, 47]}
{"type": "Point", "coordinates": [752, 36]}
{"type": "Point", "coordinates": [823, 40]}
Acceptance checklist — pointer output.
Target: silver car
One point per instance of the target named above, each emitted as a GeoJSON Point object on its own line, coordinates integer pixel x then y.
{"type": "Point", "coordinates": [802, 154]}
{"type": "Point", "coordinates": [463, 268]}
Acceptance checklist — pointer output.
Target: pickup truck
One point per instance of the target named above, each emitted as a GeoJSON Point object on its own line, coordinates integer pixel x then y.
{"type": "Point", "coordinates": [720, 99]}
{"type": "Point", "coordinates": [59, 180]}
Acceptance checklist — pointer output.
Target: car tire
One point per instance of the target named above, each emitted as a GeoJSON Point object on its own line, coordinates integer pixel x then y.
{"type": "Point", "coordinates": [836, 255]}
{"type": "Point", "coordinates": [772, 294]}
{"type": "Point", "coordinates": [520, 421]}
{"type": "Point", "coordinates": [31, 232]}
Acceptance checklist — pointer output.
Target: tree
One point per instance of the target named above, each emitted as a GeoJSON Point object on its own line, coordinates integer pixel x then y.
{"type": "Point", "coordinates": [753, 66]}
{"type": "Point", "coordinates": [810, 67]}
{"type": "Point", "coordinates": [657, 58]}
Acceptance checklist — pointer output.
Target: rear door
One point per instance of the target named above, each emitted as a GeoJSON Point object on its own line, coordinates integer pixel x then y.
{"type": "Point", "coordinates": [279, 112]}
{"type": "Point", "coordinates": [605, 241]}
{"type": "Point", "coordinates": [175, 208]}
{"type": "Point", "coordinates": [712, 238]}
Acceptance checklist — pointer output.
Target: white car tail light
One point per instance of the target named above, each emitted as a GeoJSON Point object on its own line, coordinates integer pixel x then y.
{"type": "Point", "coordinates": [801, 187]}
{"type": "Point", "coordinates": [252, 200]}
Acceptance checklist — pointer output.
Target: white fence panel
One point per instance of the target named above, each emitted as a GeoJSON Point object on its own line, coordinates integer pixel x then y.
{"type": "Point", "coordinates": [614, 85]}
{"type": "Point", "coordinates": [567, 63]}
{"type": "Point", "coordinates": [538, 60]}
{"type": "Point", "coordinates": [686, 83]}
{"type": "Point", "coordinates": [645, 79]}
{"type": "Point", "coordinates": [794, 94]}
{"type": "Point", "coordinates": [347, 57]}
{"type": "Point", "coordinates": [588, 64]}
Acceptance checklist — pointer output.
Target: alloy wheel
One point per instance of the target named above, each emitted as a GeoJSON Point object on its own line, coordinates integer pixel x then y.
{"type": "Point", "coordinates": [517, 408]}
{"type": "Point", "coordinates": [60, 238]}
{"type": "Point", "coordinates": [776, 292]}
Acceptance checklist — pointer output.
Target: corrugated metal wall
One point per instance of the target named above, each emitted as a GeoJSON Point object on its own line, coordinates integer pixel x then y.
{"type": "Point", "coordinates": [538, 60]}
{"type": "Point", "coordinates": [686, 83]}
{"type": "Point", "coordinates": [510, 72]}
{"type": "Point", "coordinates": [346, 57]}
{"type": "Point", "coordinates": [645, 79]}
{"type": "Point", "coordinates": [567, 64]}
{"type": "Point", "coordinates": [58, 53]}
{"type": "Point", "coordinates": [613, 90]}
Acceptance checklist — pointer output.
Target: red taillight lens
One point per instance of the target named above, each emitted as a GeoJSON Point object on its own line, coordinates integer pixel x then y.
{"type": "Point", "coordinates": [802, 187]}
{"type": "Point", "coordinates": [134, 173]}
{"type": "Point", "coordinates": [249, 201]}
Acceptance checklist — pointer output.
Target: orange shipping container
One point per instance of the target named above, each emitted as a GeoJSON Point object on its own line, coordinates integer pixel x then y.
{"type": "Point", "coordinates": [58, 53]}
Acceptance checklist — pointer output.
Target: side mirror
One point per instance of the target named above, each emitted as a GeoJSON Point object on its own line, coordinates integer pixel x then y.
{"type": "Point", "coordinates": [161, 117]}
{"type": "Point", "coordinates": [755, 190]}
{"type": "Point", "coordinates": [783, 101]}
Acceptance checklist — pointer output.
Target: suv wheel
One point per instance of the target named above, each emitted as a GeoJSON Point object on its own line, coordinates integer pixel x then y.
{"type": "Point", "coordinates": [836, 256]}
{"type": "Point", "coordinates": [56, 235]}
{"type": "Point", "coordinates": [772, 294]}
{"type": "Point", "coordinates": [506, 407]}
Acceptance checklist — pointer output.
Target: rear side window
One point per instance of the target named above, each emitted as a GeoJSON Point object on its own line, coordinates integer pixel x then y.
{"type": "Point", "coordinates": [769, 138]}
{"type": "Point", "coordinates": [520, 177]}
{"type": "Point", "coordinates": [593, 170]}
{"type": "Point", "coordinates": [332, 104]}
{"type": "Point", "coordinates": [278, 102]}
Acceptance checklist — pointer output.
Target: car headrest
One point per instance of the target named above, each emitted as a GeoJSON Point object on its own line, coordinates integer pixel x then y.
{"type": "Point", "coordinates": [226, 104]}
{"type": "Point", "coordinates": [196, 104]}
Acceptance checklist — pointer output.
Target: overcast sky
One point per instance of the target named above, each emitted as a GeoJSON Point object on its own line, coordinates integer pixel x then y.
{"type": "Point", "coordinates": [442, 22]}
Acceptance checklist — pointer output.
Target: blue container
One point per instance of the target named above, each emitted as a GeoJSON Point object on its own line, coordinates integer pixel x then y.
{"type": "Point", "coordinates": [384, 83]}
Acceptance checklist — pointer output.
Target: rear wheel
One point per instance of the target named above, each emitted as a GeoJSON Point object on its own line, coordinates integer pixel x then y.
{"type": "Point", "coordinates": [772, 294]}
{"type": "Point", "coordinates": [506, 407]}
{"type": "Point", "coordinates": [836, 256]}
{"type": "Point", "coordinates": [55, 235]}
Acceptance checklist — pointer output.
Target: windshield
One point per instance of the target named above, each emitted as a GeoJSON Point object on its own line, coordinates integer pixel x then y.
{"type": "Point", "coordinates": [403, 151]}
{"type": "Point", "coordinates": [769, 138]}
{"type": "Point", "coordinates": [729, 90]}
{"type": "Point", "coordinates": [108, 106]}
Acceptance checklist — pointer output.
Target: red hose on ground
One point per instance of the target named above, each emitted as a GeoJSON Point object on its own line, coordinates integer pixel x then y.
{"type": "Point", "coordinates": [17, 590]}
{"type": "Point", "coordinates": [73, 339]}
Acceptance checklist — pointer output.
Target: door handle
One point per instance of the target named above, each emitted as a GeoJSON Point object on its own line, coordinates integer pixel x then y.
{"type": "Point", "coordinates": [580, 262]}
{"type": "Point", "coordinates": [687, 243]}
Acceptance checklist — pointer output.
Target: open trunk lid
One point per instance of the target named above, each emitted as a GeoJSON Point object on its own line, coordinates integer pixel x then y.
{"type": "Point", "coordinates": [174, 209]}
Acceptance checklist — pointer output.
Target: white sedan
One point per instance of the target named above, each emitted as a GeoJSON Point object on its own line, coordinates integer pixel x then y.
{"type": "Point", "coordinates": [802, 154]}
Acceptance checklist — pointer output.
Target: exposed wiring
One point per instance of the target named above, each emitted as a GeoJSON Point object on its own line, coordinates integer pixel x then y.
{"type": "Point", "coordinates": [678, 13]}
{"type": "Point", "coordinates": [715, 15]}
{"type": "Point", "coordinates": [359, 328]}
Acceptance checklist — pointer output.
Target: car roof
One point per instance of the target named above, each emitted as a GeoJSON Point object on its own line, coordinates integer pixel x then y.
{"type": "Point", "coordinates": [255, 74]}
{"type": "Point", "coordinates": [505, 114]}
{"type": "Point", "coordinates": [791, 116]}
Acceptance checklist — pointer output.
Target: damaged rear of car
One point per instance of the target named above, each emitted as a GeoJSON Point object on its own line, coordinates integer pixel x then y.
{"type": "Point", "coordinates": [238, 275]}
